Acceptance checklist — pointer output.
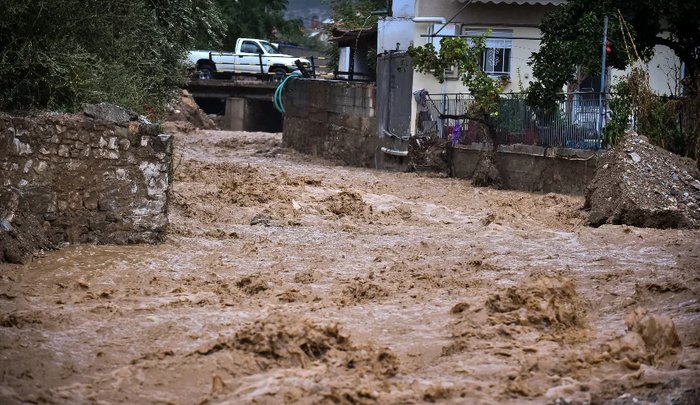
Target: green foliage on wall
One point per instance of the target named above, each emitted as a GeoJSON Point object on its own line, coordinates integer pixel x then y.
{"type": "Point", "coordinates": [671, 123]}
{"type": "Point", "coordinates": [464, 57]}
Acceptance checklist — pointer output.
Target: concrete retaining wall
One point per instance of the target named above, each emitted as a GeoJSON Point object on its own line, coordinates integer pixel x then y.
{"type": "Point", "coordinates": [72, 178]}
{"type": "Point", "coordinates": [336, 120]}
{"type": "Point", "coordinates": [532, 168]}
{"type": "Point", "coordinates": [332, 119]}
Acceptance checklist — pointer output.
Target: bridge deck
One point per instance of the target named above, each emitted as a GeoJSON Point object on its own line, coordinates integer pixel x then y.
{"type": "Point", "coordinates": [237, 87]}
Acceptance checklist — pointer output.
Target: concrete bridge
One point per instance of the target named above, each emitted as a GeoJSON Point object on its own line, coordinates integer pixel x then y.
{"type": "Point", "coordinates": [245, 103]}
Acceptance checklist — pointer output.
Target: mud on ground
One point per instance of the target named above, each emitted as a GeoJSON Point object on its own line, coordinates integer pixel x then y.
{"type": "Point", "coordinates": [288, 279]}
{"type": "Point", "coordinates": [641, 184]}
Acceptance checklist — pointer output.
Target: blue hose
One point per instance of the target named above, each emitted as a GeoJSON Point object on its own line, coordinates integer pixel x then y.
{"type": "Point", "coordinates": [277, 99]}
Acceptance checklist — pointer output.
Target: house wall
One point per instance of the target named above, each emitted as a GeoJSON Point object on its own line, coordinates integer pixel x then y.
{"type": "Point", "coordinates": [403, 8]}
{"type": "Point", "coordinates": [664, 68]}
{"type": "Point", "coordinates": [393, 31]}
{"type": "Point", "coordinates": [521, 72]}
{"type": "Point", "coordinates": [71, 178]}
{"type": "Point", "coordinates": [397, 29]}
{"type": "Point", "coordinates": [664, 71]}
{"type": "Point", "coordinates": [484, 14]}
{"type": "Point", "coordinates": [523, 21]}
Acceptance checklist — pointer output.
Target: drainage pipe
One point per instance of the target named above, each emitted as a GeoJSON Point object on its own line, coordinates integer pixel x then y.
{"type": "Point", "coordinates": [434, 20]}
{"type": "Point", "coordinates": [394, 152]}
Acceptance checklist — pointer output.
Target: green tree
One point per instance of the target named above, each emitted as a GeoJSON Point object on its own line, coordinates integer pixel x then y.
{"type": "Point", "coordinates": [670, 122]}
{"type": "Point", "coordinates": [352, 14]}
{"type": "Point", "coordinates": [256, 19]}
{"type": "Point", "coordinates": [464, 56]}
{"type": "Point", "coordinates": [571, 42]}
{"type": "Point", "coordinates": [572, 35]}
{"type": "Point", "coordinates": [58, 54]}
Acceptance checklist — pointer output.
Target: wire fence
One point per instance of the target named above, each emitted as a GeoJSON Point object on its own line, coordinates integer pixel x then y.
{"type": "Point", "coordinates": [575, 122]}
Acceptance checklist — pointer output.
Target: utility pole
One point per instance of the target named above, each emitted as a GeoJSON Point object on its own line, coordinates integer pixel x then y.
{"type": "Point", "coordinates": [602, 82]}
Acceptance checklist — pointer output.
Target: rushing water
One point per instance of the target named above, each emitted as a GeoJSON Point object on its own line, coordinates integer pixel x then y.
{"type": "Point", "coordinates": [384, 256]}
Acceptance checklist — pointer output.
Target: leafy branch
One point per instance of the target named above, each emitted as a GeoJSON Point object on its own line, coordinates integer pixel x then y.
{"type": "Point", "coordinates": [464, 56]}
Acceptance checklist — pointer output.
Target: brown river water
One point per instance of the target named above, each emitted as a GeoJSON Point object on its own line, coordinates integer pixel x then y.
{"type": "Point", "coordinates": [290, 279]}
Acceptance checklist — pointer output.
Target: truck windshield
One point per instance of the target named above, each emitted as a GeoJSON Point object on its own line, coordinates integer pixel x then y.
{"type": "Point", "coordinates": [269, 48]}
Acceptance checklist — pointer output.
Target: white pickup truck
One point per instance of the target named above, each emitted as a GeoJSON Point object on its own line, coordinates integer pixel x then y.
{"type": "Point", "coordinates": [246, 58]}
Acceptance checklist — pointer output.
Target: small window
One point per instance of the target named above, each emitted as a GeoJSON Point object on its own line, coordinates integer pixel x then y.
{"type": "Point", "coordinates": [270, 49]}
{"type": "Point", "coordinates": [250, 47]}
{"type": "Point", "coordinates": [496, 58]}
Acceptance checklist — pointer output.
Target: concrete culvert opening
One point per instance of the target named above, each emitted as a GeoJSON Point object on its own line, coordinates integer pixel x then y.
{"type": "Point", "coordinates": [241, 114]}
{"type": "Point", "coordinates": [212, 105]}
{"type": "Point", "coordinates": [251, 115]}
{"type": "Point", "coordinates": [262, 117]}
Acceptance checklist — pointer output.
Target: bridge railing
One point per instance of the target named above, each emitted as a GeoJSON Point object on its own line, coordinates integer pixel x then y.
{"type": "Point", "coordinates": [319, 67]}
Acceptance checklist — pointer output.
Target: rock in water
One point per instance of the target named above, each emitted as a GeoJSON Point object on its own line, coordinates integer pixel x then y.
{"type": "Point", "coordinates": [185, 110]}
{"type": "Point", "coordinates": [109, 112]}
{"type": "Point", "coordinates": [657, 331]}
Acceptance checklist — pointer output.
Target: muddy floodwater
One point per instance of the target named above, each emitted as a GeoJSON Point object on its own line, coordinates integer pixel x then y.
{"type": "Point", "coordinates": [289, 279]}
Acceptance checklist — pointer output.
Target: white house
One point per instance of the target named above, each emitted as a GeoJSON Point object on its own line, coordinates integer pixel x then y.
{"type": "Point", "coordinates": [515, 36]}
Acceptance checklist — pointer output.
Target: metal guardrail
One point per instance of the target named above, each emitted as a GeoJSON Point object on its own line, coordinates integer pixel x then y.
{"type": "Point", "coordinates": [572, 123]}
{"type": "Point", "coordinates": [350, 75]}
{"type": "Point", "coordinates": [316, 70]}
{"type": "Point", "coordinates": [264, 73]}
{"type": "Point", "coordinates": [354, 76]}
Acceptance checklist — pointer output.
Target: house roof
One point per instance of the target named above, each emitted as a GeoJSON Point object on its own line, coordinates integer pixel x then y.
{"type": "Point", "coordinates": [531, 2]}
{"type": "Point", "coordinates": [353, 35]}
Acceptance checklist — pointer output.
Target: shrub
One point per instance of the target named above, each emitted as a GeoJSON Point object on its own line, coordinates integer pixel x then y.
{"type": "Point", "coordinates": [672, 123]}
{"type": "Point", "coordinates": [58, 54]}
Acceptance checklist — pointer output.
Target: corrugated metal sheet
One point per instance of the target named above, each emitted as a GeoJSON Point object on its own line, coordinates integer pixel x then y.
{"type": "Point", "coordinates": [531, 2]}
{"type": "Point", "coordinates": [394, 98]}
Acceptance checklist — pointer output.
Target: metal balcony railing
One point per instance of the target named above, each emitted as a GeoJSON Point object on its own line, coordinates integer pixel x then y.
{"type": "Point", "coordinates": [573, 123]}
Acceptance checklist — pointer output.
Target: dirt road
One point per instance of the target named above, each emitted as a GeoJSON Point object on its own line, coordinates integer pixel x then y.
{"type": "Point", "coordinates": [288, 279]}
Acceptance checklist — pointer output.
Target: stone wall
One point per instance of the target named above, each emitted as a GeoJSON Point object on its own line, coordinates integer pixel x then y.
{"type": "Point", "coordinates": [97, 178]}
{"type": "Point", "coordinates": [332, 119]}
{"type": "Point", "coordinates": [532, 168]}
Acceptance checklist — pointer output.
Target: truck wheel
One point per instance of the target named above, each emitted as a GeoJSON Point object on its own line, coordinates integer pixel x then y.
{"type": "Point", "coordinates": [279, 72]}
{"type": "Point", "coordinates": [206, 72]}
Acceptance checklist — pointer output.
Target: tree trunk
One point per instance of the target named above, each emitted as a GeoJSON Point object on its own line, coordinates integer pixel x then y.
{"type": "Point", "coordinates": [486, 173]}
